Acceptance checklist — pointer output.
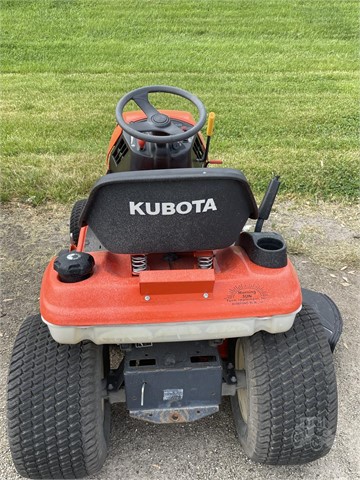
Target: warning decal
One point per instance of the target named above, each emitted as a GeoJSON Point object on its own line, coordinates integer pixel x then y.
{"type": "Point", "coordinates": [246, 294]}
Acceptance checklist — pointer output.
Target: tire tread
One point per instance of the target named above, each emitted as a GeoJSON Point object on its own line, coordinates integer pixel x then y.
{"type": "Point", "coordinates": [52, 397]}
{"type": "Point", "coordinates": [292, 384]}
{"type": "Point", "coordinates": [75, 219]}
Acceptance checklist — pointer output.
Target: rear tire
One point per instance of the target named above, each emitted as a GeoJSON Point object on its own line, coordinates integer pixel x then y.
{"type": "Point", "coordinates": [58, 419]}
{"type": "Point", "coordinates": [287, 414]}
{"type": "Point", "coordinates": [75, 220]}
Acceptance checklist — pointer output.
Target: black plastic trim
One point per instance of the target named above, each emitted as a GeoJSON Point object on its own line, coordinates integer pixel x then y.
{"type": "Point", "coordinates": [328, 312]}
{"type": "Point", "coordinates": [266, 249]}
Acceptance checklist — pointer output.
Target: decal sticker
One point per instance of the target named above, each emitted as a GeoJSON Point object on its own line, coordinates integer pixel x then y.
{"type": "Point", "coordinates": [246, 294]}
{"type": "Point", "coordinates": [169, 208]}
{"type": "Point", "coordinates": [174, 394]}
{"type": "Point", "coordinates": [73, 256]}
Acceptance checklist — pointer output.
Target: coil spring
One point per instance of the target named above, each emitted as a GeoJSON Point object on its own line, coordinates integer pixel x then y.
{"type": "Point", "coordinates": [138, 264]}
{"type": "Point", "coordinates": [205, 262]}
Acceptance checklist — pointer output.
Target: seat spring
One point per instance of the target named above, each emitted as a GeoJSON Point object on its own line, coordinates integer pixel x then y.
{"type": "Point", "coordinates": [205, 262]}
{"type": "Point", "coordinates": [138, 264]}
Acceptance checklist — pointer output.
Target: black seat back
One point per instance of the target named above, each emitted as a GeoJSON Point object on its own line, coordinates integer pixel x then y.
{"type": "Point", "coordinates": [173, 210]}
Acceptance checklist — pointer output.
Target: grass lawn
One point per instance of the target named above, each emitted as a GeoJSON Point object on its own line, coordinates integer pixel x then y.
{"type": "Point", "coordinates": [281, 75]}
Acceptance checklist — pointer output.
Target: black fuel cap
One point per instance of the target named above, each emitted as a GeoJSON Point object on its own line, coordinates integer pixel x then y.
{"type": "Point", "coordinates": [74, 266]}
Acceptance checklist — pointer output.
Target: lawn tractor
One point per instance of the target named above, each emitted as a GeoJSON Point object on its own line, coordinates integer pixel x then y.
{"type": "Point", "coordinates": [169, 299]}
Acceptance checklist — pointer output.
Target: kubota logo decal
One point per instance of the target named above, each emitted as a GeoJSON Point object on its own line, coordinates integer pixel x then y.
{"type": "Point", "coordinates": [169, 208]}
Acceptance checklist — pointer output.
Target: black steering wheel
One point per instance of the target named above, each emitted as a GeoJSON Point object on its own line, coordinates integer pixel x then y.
{"type": "Point", "coordinates": [156, 121]}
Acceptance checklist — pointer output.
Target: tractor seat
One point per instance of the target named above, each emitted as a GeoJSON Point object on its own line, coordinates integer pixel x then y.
{"type": "Point", "coordinates": [172, 210]}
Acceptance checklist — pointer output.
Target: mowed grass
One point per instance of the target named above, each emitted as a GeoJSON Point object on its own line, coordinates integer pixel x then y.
{"type": "Point", "coordinates": [281, 76]}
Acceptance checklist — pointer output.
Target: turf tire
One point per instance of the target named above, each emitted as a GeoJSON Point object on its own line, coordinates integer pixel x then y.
{"type": "Point", "coordinates": [58, 421]}
{"type": "Point", "coordinates": [75, 220]}
{"type": "Point", "coordinates": [291, 395]}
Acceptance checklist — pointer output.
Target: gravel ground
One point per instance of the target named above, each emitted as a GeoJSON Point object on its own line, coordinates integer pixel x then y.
{"type": "Point", "coordinates": [208, 448]}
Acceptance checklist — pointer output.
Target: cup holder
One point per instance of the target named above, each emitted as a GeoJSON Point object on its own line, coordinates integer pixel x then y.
{"type": "Point", "coordinates": [270, 243]}
{"type": "Point", "coordinates": [266, 249]}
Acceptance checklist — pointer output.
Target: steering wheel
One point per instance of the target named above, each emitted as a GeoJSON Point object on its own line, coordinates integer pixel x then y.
{"type": "Point", "coordinates": [156, 121]}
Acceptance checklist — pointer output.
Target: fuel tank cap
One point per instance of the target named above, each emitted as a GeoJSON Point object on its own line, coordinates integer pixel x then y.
{"type": "Point", "coordinates": [74, 266]}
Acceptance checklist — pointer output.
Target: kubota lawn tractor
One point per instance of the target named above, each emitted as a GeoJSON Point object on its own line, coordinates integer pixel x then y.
{"type": "Point", "coordinates": [165, 302]}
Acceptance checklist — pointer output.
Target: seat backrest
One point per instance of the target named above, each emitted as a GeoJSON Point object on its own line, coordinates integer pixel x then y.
{"type": "Point", "coordinates": [173, 210]}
